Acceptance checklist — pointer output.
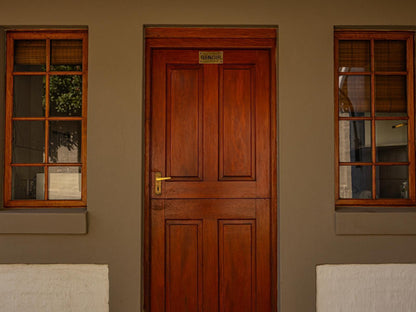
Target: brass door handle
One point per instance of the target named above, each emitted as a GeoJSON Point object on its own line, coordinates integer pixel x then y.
{"type": "Point", "coordinates": [163, 178]}
{"type": "Point", "coordinates": [158, 182]}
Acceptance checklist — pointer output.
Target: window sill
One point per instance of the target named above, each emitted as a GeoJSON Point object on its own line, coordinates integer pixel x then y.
{"type": "Point", "coordinates": [375, 221]}
{"type": "Point", "coordinates": [43, 221]}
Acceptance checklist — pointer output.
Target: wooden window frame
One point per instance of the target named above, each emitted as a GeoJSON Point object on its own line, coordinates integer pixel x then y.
{"type": "Point", "coordinates": [47, 35]}
{"type": "Point", "coordinates": [371, 36]}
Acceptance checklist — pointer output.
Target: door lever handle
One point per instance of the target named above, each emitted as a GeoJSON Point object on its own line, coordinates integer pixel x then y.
{"type": "Point", "coordinates": [158, 182]}
{"type": "Point", "coordinates": [163, 178]}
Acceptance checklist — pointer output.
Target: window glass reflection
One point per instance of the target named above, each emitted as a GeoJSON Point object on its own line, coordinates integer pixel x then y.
{"type": "Point", "coordinates": [355, 141]}
{"type": "Point", "coordinates": [28, 183]}
{"type": "Point", "coordinates": [64, 183]}
{"type": "Point", "coordinates": [28, 141]}
{"type": "Point", "coordinates": [29, 96]}
{"type": "Point", "coordinates": [65, 141]}
{"type": "Point", "coordinates": [392, 181]}
{"type": "Point", "coordinates": [355, 182]}
{"type": "Point", "coordinates": [65, 95]}
{"type": "Point", "coordinates": [391, 140]}
{"type": "Point", "coordinates": [354, 96]}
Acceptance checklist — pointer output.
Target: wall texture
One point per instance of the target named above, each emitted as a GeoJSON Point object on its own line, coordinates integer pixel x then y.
{"type": "Point", "coordinates": [54, 287]}
{"type": "Point", "coordinates": [366, 288]}
{"type": "Point", "coordinates": [115, 154]}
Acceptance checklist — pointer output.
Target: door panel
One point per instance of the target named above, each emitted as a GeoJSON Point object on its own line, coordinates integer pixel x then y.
{"type": "Point", "coordinates": [183, 265]}
{"type": "Point", "coordinates": [237, 152]}
{"type": "Point", "coordinates": [210, 128]}
{"type": "Point", "coordinates": [212, 134]}
{"type": "Point", "coordinates": [237, 265]}
{"type": "Point", "coordinates": [184, 122]}
{"type": "Point", "coordinates": [211, 255]}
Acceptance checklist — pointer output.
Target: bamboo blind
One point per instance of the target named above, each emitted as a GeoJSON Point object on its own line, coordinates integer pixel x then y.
{"type": "Point", "coordinates": [33, 52]}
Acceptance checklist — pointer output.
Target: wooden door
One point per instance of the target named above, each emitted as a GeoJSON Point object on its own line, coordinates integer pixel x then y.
{"type": "Point", "coordinates": [210, 241]}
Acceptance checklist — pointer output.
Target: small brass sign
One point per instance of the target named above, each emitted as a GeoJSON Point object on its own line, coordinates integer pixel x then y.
{"type": "Point", "coordinates": [211, 57]}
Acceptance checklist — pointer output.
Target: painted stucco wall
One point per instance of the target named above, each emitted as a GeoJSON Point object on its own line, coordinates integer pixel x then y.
{"type": "Point", "coordinates": [115, 144]}
{"type": "Point", "coordinates": [366, 288]}
{"type": "Point", "coordinates": [54, 287]}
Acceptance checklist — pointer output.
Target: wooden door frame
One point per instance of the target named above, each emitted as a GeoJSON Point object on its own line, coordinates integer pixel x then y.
{"type": "Point", "coordinates": [210, 37]}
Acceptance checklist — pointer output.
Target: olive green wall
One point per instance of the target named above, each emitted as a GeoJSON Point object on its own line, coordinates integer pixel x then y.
{"type": "Point", "coordinates": [115, 153]}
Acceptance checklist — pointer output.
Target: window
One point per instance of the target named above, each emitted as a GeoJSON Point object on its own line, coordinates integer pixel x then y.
{"type": "Point", "coordinates": [46, 109]}
{"type": "Point", "coordinates": [374, 107]}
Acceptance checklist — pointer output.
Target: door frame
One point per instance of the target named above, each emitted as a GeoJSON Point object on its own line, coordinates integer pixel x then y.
{"type": "Point", "coordinates": [210, 37]}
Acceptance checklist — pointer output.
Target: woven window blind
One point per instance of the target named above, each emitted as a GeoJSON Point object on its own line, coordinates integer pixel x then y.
{"type": "Point", "coordinates": [33, 52]}
{"type": "Point", "coordinates": [354, 55]}
{"type": "Point", "coordinates": [390, 90]}
{"type": "Point", "coordinates": [66, 52]}
{"type": "Point", "coordinates": [390, 55]}
{"type": "Point", "coordinates": [30, 52]}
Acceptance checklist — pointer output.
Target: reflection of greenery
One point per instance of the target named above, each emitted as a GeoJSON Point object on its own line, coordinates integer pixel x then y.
{"type": "Point", "coordinates": [64, 134]}
{"type": "Point", "coordinates": [65, 99]}
{"type": "Point", "coordinates": [65, 92]}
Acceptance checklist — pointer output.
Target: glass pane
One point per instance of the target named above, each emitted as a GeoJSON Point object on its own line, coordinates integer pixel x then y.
{"type": "Point", "coordinates": [390, 55]}
{"type": "Point", "coordinates": [66, 55]}
{"type": "Point", "coordinates": [65, 141]}
{"type": "Point", "coordinates": [29, 55]}
{"type": "Point", "coordinates": [391, 140]}
{"type": "Point", "coordinates": [29, 96]}
{"type": "Point", "coordinates": [354, 55]}
{"type": "Point", "coordinates": [355, 141]}
{"type": "Point", "coordinates": [64, 183]}
{"type": "Point", "coordinates": [392, 181]}
{"type": "Point", "coordinates": [355, 182]}
{"type": "Point", "coordinates": [28, 183]}
{"type": "Point", "coordinates": [28, 142]}
{"type": "Point", "coordinates": [354, 96]}
{"type": "Point", "coordinates": [391, 96]}
{"type": "Point", "coordinates": [65, 94]}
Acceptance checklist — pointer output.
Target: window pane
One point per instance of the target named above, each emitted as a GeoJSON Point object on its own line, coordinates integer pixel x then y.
{"type": "Point", "coordinates": [391, 140]}
{"type": "Point", "coordinates": [65, 141]}
{"type": "Point", "coordinates": [65, 95]}
{"type": "Point", "coordinates": [66, 55]}
{"type": "Point", "coordinates": [29, 96]}
{"type": "Point", "coordinates": [355, 141]}
{"type": "Point", "coordinates": [29, 55]}
{"type": "Point", "coordinates": [354, 96]}
{"type": "Point", "coordinates": [354, 55]}
{"type": "Point", "coordinates": [390, 55]}
{"type": "Point", "coordinates": [28, 142]}
{"type": "Point", "coordinates": [392, 181]}
{"type": "Point", "coordinates": [64, 183]}
{"type": "Point", "coordinates": [391, 98]}
{"type": "Point", "coordinates": [28, 183]}
{"type": "Point", "coordinates": [355, 182]}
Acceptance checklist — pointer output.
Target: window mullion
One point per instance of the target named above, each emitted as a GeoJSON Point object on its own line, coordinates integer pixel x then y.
{"type": "Point", "coordinates": [410, 109]}
{"type": "Point", "coordinates": [84, 117]}
{"type": "Point", "coordinates": [48, 57]}
{"type": "Point", "coordinates": [373, 121]}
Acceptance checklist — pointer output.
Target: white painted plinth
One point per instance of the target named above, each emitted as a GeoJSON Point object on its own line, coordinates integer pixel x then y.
{"type": "Point", "coordinates": [366, 288]}
{"type": "Point", "coordinates": [54, 288]}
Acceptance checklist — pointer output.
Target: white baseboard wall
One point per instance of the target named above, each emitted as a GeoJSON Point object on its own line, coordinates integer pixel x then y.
{"type": "Point", "coordinates": [366, 288]}
{"type": "Point", "coordinates": [54, 288]}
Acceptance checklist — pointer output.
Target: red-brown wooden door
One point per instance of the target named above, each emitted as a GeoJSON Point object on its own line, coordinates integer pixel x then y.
{"type": "Point", "coordinates": [210, 234]}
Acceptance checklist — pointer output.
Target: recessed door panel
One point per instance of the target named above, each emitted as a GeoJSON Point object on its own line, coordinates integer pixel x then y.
{"type": "Point", "coordinates": [237, 123]}
{"type": "Point", "coordinates": [184, 122]}
{"type": "Point", "coordinates": [183, 265]}
{"type": "Point", "coordinates": [237, 265]}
